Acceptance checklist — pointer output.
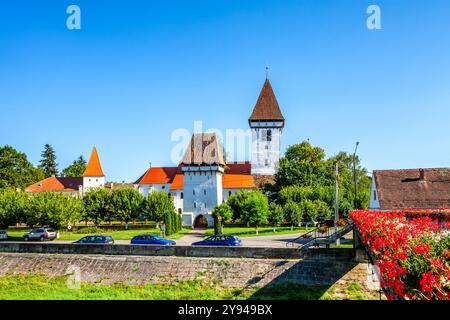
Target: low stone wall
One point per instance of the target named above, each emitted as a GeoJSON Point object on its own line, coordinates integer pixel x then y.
{"type": "Point", "coordinates": [147, 250]}
{"type": "Point", "coordinates": [316, 267]}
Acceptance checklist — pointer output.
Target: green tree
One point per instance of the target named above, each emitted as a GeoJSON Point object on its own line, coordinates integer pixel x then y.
{"type": "Point", "coordinates": [48, 161]}
{"type": "Point", "coordinates": [157, 205]}
{"type": "Point", "coordinates": [236, 202]}
{"type": "Point", "coordinates": [305, 173]}
{"type": "Point", "coordinates": [256, 209]}
{"type": "Point", "coordinates": [221, 214]}
{"type": "Point", "coordinates": [15, 169]}
{"type": "Point", "coordinates": [276, 215]}
{"type": "Point", "coordinates": [97, 206]}
{"type": "Point", "coordinates": [126, 203]}
{"type": "Point", "coordinates": [12, 207]}
{"type": "Point", "coordinates": [293, 213]}
{"type": "Point", "coordinates": [76, 169]}
{"type": "Point", "coordinates": [53, 209]}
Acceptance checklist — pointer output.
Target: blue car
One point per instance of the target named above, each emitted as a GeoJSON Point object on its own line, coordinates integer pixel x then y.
{"type": "Point", "coordinates": [96, 239]}
{"type": "Point", "coordinates": [151, 239]}
{"type": "Point", "coordinates": [220, 240]}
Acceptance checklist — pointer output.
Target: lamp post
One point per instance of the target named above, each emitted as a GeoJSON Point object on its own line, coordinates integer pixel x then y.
{"type": "Point", "coordinates": [354, 174]}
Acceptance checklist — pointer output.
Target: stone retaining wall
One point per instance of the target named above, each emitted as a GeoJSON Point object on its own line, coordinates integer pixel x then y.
{"type": "Point", "coordinates": [314, 268]}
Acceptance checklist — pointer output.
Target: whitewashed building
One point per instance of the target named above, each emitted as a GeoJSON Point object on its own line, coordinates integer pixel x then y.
{"type": "Point", "coordinates": [203, 180]}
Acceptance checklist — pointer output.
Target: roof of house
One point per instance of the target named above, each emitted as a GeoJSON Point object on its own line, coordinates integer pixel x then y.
{"type": "Point", "coordinates": [93, 168]}
{"type": "Point", "coordinates": [413, 188]}
{"type": "Point", "coordinates": [204, 148]}
{"type": "Point", "coordinates": [266, 108]}
{"type": "Point", "coordinates": [237, 176]}
{"type": "Point", "coordinates": [56, 184]}
{"type": "Point", "coordinates": [159, 175]}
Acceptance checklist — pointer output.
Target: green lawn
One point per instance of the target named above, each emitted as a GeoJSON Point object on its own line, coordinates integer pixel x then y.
{"type": "Point", "coordinates": [116, 234]}
{"type": "Point", "coordinates": [36, 287]}
{"type": "Point", "coordinates": [263, 231]}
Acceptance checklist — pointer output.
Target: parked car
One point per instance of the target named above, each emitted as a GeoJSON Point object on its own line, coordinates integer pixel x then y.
{"type": "Point", "coordinates": [220, 240]}
{"type": "Point", "coordinates": [3, 234]}
{"type": "Point", "coordinates": [41, 234]}
{"type": "Point", "coordinates": [151, 239]}
{"type": "Point", "coordinates": [96, 239]}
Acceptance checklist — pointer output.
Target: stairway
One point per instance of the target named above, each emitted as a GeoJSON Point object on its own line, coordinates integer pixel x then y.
{"type": "Point", "coordinates": [319, 239]}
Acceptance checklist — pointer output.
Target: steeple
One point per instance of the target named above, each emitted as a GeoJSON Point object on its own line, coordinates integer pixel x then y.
{"type": "Point", "coordinates": [94, 168]}
{"type": "Point", "coordinates": [266, 108]}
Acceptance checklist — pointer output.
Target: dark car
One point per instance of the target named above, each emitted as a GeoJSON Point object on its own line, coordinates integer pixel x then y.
{"type": "Point", "coordinates": [96, 239]}
{"type": "Point", "coordinates": [151, 239]}
{"type": "Point", "coordinates": [220, 240]}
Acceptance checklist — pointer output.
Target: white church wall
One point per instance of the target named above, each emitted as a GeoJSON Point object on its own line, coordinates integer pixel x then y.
{"type": "Point", "coordinates": [93, 182]}
{"type": "Point", "coordinates": [374, 201]}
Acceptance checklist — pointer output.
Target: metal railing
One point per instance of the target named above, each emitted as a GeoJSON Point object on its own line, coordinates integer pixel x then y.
{"type": "Point", "coordinates": [319, 236]}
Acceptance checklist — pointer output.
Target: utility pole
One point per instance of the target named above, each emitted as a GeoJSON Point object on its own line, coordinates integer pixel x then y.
{"type": "Point", "coordinates": [336, 200]}
{"type": "Point", "coordinates": [354, 176]}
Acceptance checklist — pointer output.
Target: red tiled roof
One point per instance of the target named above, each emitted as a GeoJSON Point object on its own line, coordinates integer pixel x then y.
{"type": "Point", "coordinates": [262, 179]}
{"type": "Point", "coordinates": [266, 108]}
{"type": "Point", "coordinates": [54, 184]}
{"type": "Point", "coordinates": [93, 168]}
{"type": "Point", "coordinates": [238, 168]}
{"type": "Point", "coordinates": [405, 189]}
{"type": "Point", "coordinates": [237, 181]}
{"type": "Point", "coordinates": [178, 182]}
{"type": "Point", "coordinates": [159, 175]}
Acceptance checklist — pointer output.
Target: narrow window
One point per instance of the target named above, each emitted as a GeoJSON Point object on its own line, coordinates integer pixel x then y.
{"type": "Point", "coordinates": [374, 195]}
{"type": "Point", "coordinates": [267, 162]}
{"type": "Point", "coordinates": [204, 192]}
{"type": "Point", "coordinates": [269, 135]}
{"type": "Point", "coordinates": [229, 193]}
{"type": "Point", "coordinates": [195, 205]}
{"type": "Point", "coordinates": [163, 187]}
{"type": "Point", "coordinates": [182, 195]}
{"type": "Point", "coordinates": [193, 192]}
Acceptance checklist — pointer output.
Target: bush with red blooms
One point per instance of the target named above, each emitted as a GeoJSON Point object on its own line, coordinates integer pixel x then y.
{"type": "Point", "coordinates": [411, 249]}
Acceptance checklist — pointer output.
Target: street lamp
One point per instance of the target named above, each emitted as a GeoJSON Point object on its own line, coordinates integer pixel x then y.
{"type": "Point", "coordinates": [354, 174]}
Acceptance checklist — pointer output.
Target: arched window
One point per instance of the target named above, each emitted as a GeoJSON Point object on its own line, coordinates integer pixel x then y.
{"type": "Point", "coordinates": [269, 135]}
{"type": "Point", "coordinates": [193, 192]}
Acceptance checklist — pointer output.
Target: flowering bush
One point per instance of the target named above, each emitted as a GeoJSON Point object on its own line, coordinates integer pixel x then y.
{"type": "Point", "coordinates": [411, 249]}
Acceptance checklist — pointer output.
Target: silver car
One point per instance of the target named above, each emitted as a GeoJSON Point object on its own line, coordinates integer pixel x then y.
{"type": "Point", "coordinates": [3, 234]}
{"type": "Point", "coordinates": [41, 234]}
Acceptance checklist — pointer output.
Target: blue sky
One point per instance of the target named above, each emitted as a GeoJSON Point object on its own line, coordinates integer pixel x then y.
{"type": "Point", "coordinates": [137, 70]}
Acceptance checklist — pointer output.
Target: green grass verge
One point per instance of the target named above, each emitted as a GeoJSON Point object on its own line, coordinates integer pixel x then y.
{"type": "Point", "coordinates": [263, 231]}
{"type": "Point", "coordinates": [116, 234]}
{"type": "Point", "coordinates": [38, 287]}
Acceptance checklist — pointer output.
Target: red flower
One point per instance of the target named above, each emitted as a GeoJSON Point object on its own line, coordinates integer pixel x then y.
{"type": "Point", "coordinates": [422, 248]}
{"type": "Point", "coordinates": [428, 281]}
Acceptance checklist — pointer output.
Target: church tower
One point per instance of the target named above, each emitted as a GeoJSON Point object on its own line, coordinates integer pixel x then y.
{"type": "Point", "coordinates": [203, 168]}
{"type": "Point", "coordinates": [266, 124]}
{"type": "Point", "coordinates": [93, 176]}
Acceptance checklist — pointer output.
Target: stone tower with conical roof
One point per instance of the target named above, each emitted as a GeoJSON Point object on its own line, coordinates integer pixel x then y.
{"type": "Point", "coordinates": [266, 123]}
{"type": "Point", "coordinates": [93, 176]}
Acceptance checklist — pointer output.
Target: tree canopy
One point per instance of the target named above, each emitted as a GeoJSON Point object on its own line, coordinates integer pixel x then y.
{"type": "Point", "coordinates": [15, 169]}
{"type": "Point", "coordinates": [48, 161]}
{"type": "Point", "coordinates": [76, 169]}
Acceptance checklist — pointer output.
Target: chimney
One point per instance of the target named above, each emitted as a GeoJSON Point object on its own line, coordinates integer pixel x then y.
{"type": "Point", "coordinates": [421, 175]}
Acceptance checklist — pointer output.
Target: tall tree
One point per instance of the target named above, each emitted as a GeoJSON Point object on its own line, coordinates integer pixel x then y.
{"type": "Point", "coordinates": [157, 205]}
{"type": "Point", "coordinates": [256, 209]}
{"type": "Point", "coordinates": [15, 169]}
{"type": "Point", "coordinates": [276, 215]}
{"type": "Point", "coordinates": [48, 161]}
{"type": "Point", "coordinates": [76, 169]}
{"type": "Point", "coordinates": [126, 203]}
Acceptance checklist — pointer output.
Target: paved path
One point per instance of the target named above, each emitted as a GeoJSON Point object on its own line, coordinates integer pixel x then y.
{"type": "Point", "coordinates": [193, 236]}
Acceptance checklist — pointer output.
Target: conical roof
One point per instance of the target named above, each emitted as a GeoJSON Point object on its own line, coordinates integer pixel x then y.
{"type": "Point", "coordinates": [266, 108]}
{"type": "Point", "coordinates": [94, 168]}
